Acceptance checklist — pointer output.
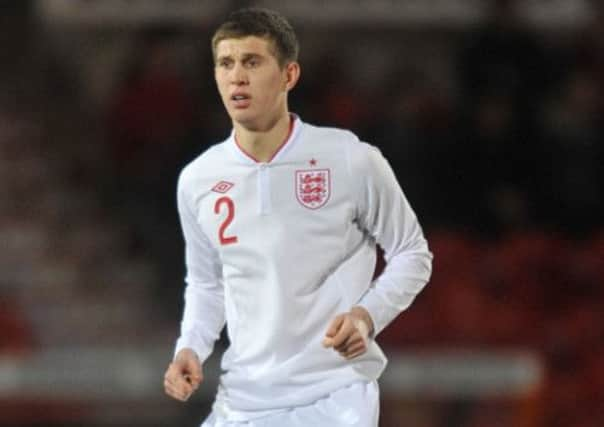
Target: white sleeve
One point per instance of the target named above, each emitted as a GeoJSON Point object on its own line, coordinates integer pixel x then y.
{"type": "Point", "coordinates": [384, 213]}
{"type": "Point", "coordinates": [204, 312]}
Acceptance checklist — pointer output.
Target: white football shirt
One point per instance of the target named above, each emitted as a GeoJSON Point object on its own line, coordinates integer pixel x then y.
{"type": "Point", "coordinates": [278, 249]}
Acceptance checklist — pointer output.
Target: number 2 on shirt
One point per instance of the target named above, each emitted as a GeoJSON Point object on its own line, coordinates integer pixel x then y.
{"type": "Point", "coordinates": [224, 240]}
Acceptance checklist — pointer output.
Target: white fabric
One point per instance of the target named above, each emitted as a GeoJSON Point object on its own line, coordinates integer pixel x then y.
{"type": "Point", "coordinates": [293, 268]}
{"type": "Point", "coordinates": [354, 405]}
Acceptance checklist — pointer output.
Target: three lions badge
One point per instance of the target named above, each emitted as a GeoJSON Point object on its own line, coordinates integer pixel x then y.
{"type": "Point", "coordinates": [313, 187]}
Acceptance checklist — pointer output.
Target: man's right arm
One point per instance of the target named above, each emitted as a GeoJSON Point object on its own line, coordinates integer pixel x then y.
{"type": "Point", "coordinates": [204, 313]}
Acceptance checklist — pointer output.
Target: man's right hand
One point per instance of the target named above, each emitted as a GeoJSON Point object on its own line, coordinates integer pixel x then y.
{"type": "Point", "coordinates": [183, 375]}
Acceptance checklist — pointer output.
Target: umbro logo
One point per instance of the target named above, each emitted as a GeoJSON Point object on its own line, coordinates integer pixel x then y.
{"type": "Point", "coordinates": [222, 187]}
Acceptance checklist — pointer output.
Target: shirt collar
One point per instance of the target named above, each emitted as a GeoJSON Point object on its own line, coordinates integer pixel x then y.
{"type": "Point", "coordinates": [286, 146]}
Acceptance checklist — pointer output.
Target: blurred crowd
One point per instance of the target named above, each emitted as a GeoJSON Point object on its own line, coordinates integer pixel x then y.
{"type": "Point", "coordinates": [513, 142]}
{"type": "Point", "coordinates": [529, 290]}
{"type": "Point", "coordinates": [500, 152]}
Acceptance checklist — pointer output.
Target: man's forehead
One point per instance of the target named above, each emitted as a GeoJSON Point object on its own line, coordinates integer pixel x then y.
{"type": "Point", "coordinates": [243, 46]}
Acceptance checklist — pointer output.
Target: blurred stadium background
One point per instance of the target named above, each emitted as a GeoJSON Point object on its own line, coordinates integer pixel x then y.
{"type": "Point", "coordinates": [491, 113]}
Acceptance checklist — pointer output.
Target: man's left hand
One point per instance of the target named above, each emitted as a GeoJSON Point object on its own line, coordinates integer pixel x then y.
{"type": "Point", "coordinates": [349, 333]}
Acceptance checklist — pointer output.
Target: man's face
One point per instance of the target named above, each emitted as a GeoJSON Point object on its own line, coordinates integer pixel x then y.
{"type": "Point", "coordinates": [252, 86]}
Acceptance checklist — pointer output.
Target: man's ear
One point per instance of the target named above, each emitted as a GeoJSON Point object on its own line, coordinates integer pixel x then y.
{"type": "Point", "coordinates": [292, 74]}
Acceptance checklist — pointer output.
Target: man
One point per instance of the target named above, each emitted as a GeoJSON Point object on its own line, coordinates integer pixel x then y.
{"type": "Point", "coordinates": [280, 223]}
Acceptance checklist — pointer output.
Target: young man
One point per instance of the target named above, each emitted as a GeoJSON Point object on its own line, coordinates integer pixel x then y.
{"type": "Point", "coordinates": [280, 223]}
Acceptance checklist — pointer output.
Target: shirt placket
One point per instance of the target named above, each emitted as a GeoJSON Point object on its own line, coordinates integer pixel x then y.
{"type": "Point", "coordinates": [264, 189]}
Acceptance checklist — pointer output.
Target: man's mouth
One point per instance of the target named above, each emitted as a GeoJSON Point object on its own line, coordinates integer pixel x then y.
{"type": "Point", "coordinates": [240, 100]}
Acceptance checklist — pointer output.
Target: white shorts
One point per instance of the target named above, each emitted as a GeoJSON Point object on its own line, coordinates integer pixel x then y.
{"type": "Point", "coordinates": [357, 405]}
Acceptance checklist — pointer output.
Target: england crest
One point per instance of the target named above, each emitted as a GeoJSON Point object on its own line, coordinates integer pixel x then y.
{"type": "Point", "coordinates": [313, 187]}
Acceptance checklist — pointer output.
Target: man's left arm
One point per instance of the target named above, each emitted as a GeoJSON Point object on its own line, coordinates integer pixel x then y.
{"type": "Point", "coordinates": [384, 212]}
{"type": "Point", "coordinates": [387, 215]}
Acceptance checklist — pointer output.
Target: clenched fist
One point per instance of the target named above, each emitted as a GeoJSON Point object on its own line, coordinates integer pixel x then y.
{"type": "Point", "coordinates": [183, 375]}
{"type": "Point", "coordinates": [349, 333]}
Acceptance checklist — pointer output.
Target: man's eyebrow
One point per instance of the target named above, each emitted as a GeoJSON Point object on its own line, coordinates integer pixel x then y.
{"type": "Point", "coordinates": [252, 55]}
{"type": "Point", "coordinates": [244, 56]}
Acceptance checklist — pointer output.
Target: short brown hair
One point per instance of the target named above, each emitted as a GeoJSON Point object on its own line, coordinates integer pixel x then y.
{"type": "Point", "coordinates": [263, 23]}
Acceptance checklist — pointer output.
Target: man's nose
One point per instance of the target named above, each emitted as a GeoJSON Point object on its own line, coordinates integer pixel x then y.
{"type": "Point", "coordinates": [239, 75]}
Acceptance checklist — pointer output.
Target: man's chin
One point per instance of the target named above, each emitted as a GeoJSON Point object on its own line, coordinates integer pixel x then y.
{"type": "Point", "coordinates": [246, 119]}
{"type": "Point", "coordinates": [241, 115]}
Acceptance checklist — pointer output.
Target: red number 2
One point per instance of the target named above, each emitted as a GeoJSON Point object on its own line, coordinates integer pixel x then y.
{"type": "Point", "coordinates": [224, 240]}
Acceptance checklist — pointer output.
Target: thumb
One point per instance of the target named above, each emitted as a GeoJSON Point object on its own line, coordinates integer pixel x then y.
{"type": "Point", "coordinates": [332, 330]}
{"type": "Point", "coordinates": [194, 371]}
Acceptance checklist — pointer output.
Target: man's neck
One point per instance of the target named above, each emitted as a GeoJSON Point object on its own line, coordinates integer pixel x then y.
{"type": "Point", "coordinates": [263, 145]}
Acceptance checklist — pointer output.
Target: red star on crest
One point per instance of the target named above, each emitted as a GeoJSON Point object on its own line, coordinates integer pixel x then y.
{"type": "Point", "coordinates": [312, 162]}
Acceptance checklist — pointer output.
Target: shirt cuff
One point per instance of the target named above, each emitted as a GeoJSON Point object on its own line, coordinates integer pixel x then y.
{"type": "Point", "coordinates": [381, 312]}
{"type": "Point", "coordinates": [375, 307]}
{"type": "Point", "coordinates": [189, 341]}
